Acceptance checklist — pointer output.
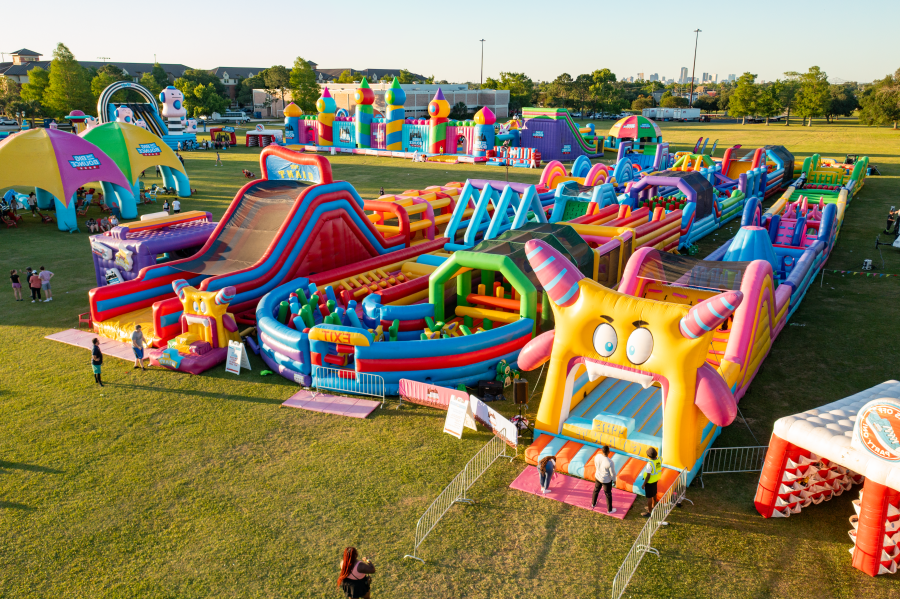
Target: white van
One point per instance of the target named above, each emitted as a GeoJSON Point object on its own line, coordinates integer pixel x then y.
{"type": "Point", "coordinates": [233, 116]}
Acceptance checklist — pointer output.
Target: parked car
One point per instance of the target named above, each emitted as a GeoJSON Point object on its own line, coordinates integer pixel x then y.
{"type": "Point", "coordinates": [8, 122]}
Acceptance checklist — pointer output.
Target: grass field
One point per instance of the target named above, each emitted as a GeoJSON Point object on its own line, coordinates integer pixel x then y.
{"type": "Point", "coordinates": [169, 485]}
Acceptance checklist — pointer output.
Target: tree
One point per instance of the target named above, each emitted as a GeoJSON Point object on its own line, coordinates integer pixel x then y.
{"type": "Point", "coordinates": [405, 77]}
{"type": "Point", "coordinates": [605, 91]}
{"type": "Point", "coordinates": [669, 101]}
{"type": "Point", "coordinates": [641, 103]}
{"type": "Point", "coordinates": [70, 88]}
{"type": "Point", "coordinates": [245, 91]}
{"type": "Point", "coordinates": [106, 76]}
{"type": "Point", "coordinates": [520, 86]}
{"type": "Point", "coordinates": [161, 77]}
{"type": "Point", "coordinates": [581, 90]}
{"type": "Point", "coordinates": [815, 94]}
{"type": "Point", "coordinates": [149, 82]}
{"type": "Point", "coordinates": [767, 103]}
{"type": "Point", "coordinates": [278, 78]}
{"type": "Point", "coordinates": [304, 89]}
{"type": "Point", "coordinates": [206, 100]}
{"type": "Point", "coordinates": [10, 97]}
{"type": "Point", "coordinates": [562, 88]}
{"type": "Point", "coordinates": [880, 102]}
{"type": "Point", "coordinates": [742, 102]}
{"type": "Point", "coordinates": [34, 90]}
{"type": "Point", "coordinates": [843, 101]}
{"type": "Point", "coordinates": [707, 103]}
{"type": "Point", "coordinates": [429, 80]}
{"type": "Point", "coordinates": [345, 77]}
{"type": "Point", "coordinates": [459, 111]}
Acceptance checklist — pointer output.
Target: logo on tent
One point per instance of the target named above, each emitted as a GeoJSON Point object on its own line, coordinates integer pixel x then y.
{"type": "Point", "coordinates": [567, 149]}
{"type": "Point", "coordinates": [878, 425]}
{"type": "Point", "coordinates": [150, 149]}
{"type": "Point", "coordinates": [85, 162]}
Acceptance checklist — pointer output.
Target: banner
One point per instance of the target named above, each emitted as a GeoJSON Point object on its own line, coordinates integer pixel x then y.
{"type": "Point", "coordinates": [494, 420]}
{"type": "Point", "coordinates": [459, 416]}
{"type": "Point", "coordinates": [426, 394]}
{"type": "Point", "coordinates": [237, 358]}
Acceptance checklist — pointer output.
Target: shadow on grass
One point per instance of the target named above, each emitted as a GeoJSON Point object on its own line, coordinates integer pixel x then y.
{"type": "Point", "coordinates": [12, 505]}
{"type": "Point", "coordinates": [202, 394]}
{"type": "Point", "coordinates": [29, 467]}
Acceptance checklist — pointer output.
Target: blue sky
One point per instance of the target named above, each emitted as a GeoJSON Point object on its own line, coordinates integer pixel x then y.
{"type": "Point", "coordinates": [849, 40]}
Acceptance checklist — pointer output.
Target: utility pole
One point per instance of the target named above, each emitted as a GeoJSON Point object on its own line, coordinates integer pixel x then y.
{"type": "Point", "coordinates": [694, 68]}
{"type": "Point", "coordinates": [481, 82]}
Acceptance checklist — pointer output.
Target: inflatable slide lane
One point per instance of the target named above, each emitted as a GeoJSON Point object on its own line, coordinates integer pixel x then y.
{"type": "Point", "coordinates": [553, 132]}
{"type": "Point", "coordinates": [294, 222]}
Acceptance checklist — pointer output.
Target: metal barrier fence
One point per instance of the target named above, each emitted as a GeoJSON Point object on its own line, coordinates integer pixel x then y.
{"type": "Point", "coordinates": [455, 492]}
{"type": "Point", "coordinates": [720, 460]}
{"type": "Point", "coordinates": [670, 499]}
{"type": "Point", "coordinates": [348, 381]}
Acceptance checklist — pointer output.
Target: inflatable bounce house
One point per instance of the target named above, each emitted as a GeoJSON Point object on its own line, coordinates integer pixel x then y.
{"type": "Point", "coordinates": [545, 134]}
{"type": "Point", "coordinates": [824, 452]}
{"type": "Point", "coordinates": [171, 125]}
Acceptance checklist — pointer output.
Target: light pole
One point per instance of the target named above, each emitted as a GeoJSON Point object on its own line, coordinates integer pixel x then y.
{"type": "Point", "coordinates": [694, 68]}
{"type": "Point", "coordinates": [481, 82]}
{"type": "Point", "coordinates": [103, 58]}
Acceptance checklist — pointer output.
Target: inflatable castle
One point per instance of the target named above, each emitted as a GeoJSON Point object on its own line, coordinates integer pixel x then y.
{"type": "Point", "coordinates": [545, 134]}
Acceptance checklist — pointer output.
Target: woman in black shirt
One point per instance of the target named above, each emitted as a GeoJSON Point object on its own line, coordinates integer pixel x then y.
{"type": "Point", "coordinates": [16, 285]}
{"type": "Point", "coordinates": [96, 360]}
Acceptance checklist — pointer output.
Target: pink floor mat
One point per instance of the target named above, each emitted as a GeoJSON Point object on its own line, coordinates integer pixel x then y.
{"type": "Point", "coordinates": [573, 491]}
{"type": "Point", "coordinates": [82, 339]}
{"type": "Point", "coordinates": [331, 404]}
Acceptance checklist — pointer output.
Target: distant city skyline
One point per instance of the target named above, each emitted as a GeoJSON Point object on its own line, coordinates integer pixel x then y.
{"type": "Point", "coordinates": [227, 32]}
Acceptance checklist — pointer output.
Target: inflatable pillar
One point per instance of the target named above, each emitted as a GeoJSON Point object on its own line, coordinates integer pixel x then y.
{"type": "Point", "coordinates": [44, 199]}
{"type": "Point", "coordinates": [484, 131]}
{"type": "Point", "coordinates": [65, 215]}
{"type": "Point", "coordinates": [439, 110]}
{"type": "Point", "coordinates": [121, 199]}
{"type": "Point", "coordinates": [364, 98]}
{"type": "Point", "coordinates": [326, 108]}
{"type": "Point", "coordinates": [396, 115]}
{"type": "Point", "coordinates": [292, 114]}
{"type": "Point", "coordinates": [175, 178]}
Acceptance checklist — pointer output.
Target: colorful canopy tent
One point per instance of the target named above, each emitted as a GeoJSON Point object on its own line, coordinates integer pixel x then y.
{"type": "Point", "coordinates": [823, 452]}
{"type": "Point", "coordinates": [56, 163]}
{"type": "Point", "coordinates": [134, 149]}
{"type": "Point", "coordinates": [634, 127]}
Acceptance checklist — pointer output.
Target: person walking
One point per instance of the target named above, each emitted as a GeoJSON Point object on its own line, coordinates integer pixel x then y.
{"type": "Point", "coordinates": [16, 285]}
{"type": "Point", "coordinates": [158, 175]}
{"type": "Point", "coordinates": [176, 206]}
{"type": "Point", "coordinates": [653, 472]}
{"type": "Point", "coordinates": [354, 579]}
{"type": "Point", "coordinates": [32, 203]}
{"type": "Point", "coordinates": [166, 206]}
{"type": "Point", "coordinates": [137, 345]}
{"type": "Point", "coordinates": [546, 467]}
{"type": "Point", "coordinates": [218, 160]}
{"type": "Point", "coordinates": [34, 283]}
{"type": "Point", "coordinates": [382, 191]}
{"type": "Point", "coordinates": [96, 360]}
{"type": "Point", "coordinates": [45, 276]}
{"type": "Point", "coordinates": [605, 478]}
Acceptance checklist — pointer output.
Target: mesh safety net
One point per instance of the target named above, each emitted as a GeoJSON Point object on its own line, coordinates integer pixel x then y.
{"type": "Point", "coordinates": [692, 272]}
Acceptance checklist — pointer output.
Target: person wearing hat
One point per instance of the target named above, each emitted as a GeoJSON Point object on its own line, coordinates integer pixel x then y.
{"type": "Point", "coordinates": [652, 474]}
{"type": "Point", "coordinates": [137, 344]}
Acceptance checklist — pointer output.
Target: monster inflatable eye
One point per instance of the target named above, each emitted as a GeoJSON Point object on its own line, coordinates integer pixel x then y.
{"type": "Point", "coordinates": [640, 346]}
{"type": "Point", "coordinates": [196, 307]}
{"type": "Point", "coordinates": [203, 307]}
{"type": "Point", "coordinates": [605, 340]}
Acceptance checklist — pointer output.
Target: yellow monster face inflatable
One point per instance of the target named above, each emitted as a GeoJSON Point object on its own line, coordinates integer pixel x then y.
{"type": "Point", "coordinates": [205, 317]}
{"type": "Point", "coordinates": [628, 340]}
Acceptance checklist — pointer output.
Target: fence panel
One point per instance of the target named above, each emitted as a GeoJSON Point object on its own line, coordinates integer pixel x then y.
{"type": "Point", "coordinates": [661, 511]}
{"type": "Point", "coordinates": [348, 381]}
{"type": "Point", "coordinates": [455, 492]}
{"type": "Point", "coordinates": [734, 459]}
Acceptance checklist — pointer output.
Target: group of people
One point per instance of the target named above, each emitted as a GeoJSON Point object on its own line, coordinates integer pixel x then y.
{"type": "Point", "coordinates": [138, 343]}
{"type": "Point", "coordinates": [104, 224]}
{"type": "Point", "coordinates": [605, 478]}
{"type": "Point", "coordinates": [38, 282]}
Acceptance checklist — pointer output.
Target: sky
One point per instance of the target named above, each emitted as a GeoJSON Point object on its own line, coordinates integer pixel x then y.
{"type": "Point", "coordinates": [849, 41]}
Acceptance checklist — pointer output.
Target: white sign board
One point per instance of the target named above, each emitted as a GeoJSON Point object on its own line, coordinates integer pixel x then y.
{"type": "Point", "coordinates": [459, 416]}
{"type": "Point", "coordinates": [494, 420]}
{"type": "Point", "coordinates": [237, 358]}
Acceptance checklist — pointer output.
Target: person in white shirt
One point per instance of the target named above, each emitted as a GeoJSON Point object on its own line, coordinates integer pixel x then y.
{"type": "Point", "coordinates": [605, 478]}
{"type": "Point", "coordinates": [176, 206]}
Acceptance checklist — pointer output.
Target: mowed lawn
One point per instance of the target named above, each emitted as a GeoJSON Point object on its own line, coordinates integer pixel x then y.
{"type": "Point", "coordinates": [170, 485]}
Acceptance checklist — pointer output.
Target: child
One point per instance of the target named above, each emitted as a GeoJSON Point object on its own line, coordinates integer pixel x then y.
{"type": "Point", "coordinates": [96, 360]}
{"type": "Point", "coordinates": [17, 287]}
{"type": "Point", "coordinates": [32, 203]}
{"type": "Point", "coordinates": [218, 160]}
{"type": "Point", "coordinates": [166, 206]}
{"type": "Point", "coordinates": [113, 221]}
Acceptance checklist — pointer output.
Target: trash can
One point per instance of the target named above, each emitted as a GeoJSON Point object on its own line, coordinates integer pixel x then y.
{"type": "Point", "coordinates": [257, 115]}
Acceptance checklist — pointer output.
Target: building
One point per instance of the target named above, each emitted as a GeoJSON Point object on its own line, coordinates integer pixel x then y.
{"type": "Point", "coordinates": [417, 98]}
{"type": "Point", "coordinates": [640, 76]}
{"type": "Point", "coordinates": [715, 78]}
{"type": "Point", "coordinates": [683, 77]}
{"type": "Point", "coordinates": [732, 77]}
{"type": "Point", "coordinates": [654, 77]}
{"type": "Point", "coordinates": [24, 60]}
{"type": "Point", "coordinates": [371, 75]}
